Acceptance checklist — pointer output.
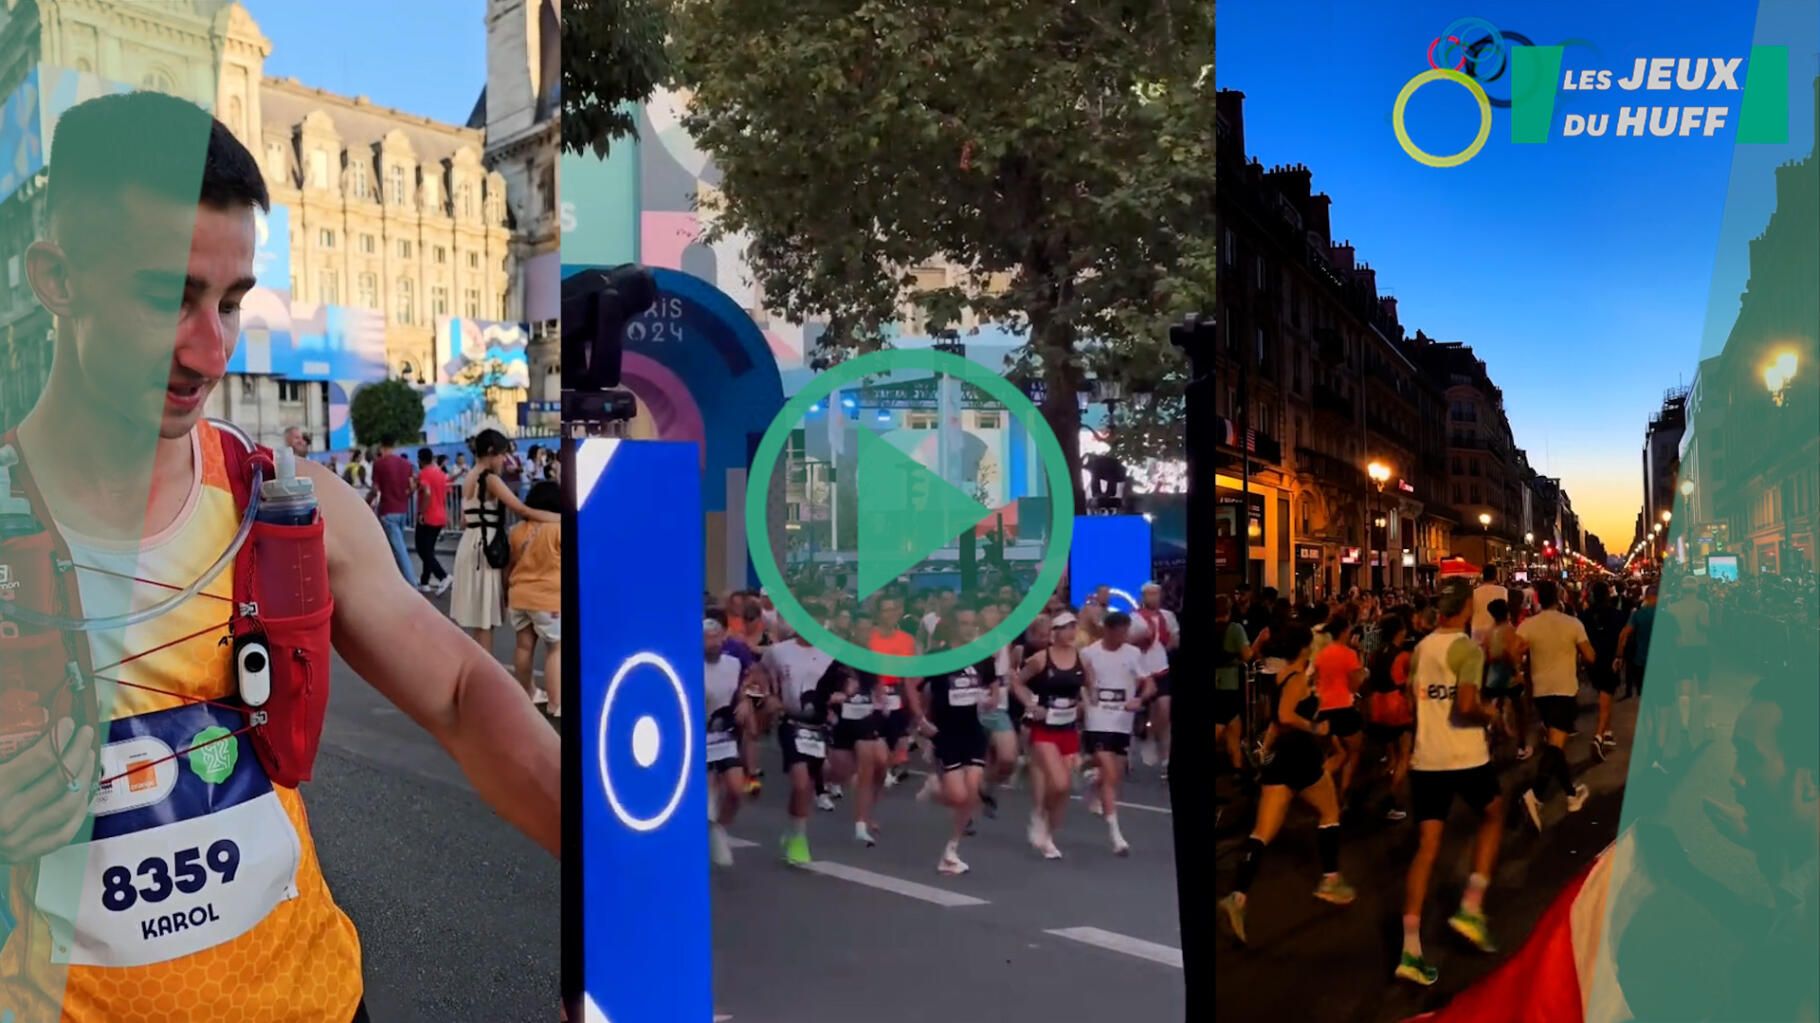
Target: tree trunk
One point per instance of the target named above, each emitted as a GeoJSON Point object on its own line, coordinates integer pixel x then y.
{"type": "Point", "coordinates": [1061, 397]}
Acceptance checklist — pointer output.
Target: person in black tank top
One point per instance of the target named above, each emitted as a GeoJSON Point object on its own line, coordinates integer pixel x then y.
{"type": "Point", "coordinates": [857, 750]}
{"type": "Point", "coordinates": [1295, 768]}
{"type": "Point", "coordinates": [1052, 686]}
{"type": "Point", "coordinates": [948, 714]}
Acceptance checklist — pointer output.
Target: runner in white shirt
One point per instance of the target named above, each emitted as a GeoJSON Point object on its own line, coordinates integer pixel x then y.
{"type": "Point", "coordinates": [799, 677]}
{"type": "Point", "coordinates": [1487, 591]}
{"type": "Point", "coordinates": [725, 716]}
{"type": "Point", "coordinates": [1451, 758]}
{"type": "Point", "coordinates": [1156, 633]}
{"type": "Point", "coordinates": [1117, 687]}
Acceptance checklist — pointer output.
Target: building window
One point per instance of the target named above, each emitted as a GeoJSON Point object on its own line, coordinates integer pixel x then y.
{"type": "Point", "coordinates": [404, 248]}
{"type": "Point", "coordinates": [920, 420]}
{"type": "Point", "coordinates": [470, 303]}
{"type": "Point", "coordinates": [441, 255]}
{"type": "Point", "coordinates": [290, 390]}
{"type": "Point", "coordinates": [357, 180]}
{"type": "Point", "coordinates": [369, 244]}
{"type": "Point", "coordinates": [547, 188]}
{"type": "Point", "coordinates": [439, 302]}
{"type": "Point", "coordinates": [331, 287]}
{"type": "Point", "coordinates": [404, 313]}
{"type": "Point", "coordinates": [1232, 248]}
{"type": "Point", "coordinates": [326, 237]}
{"type": "Point", "coordinates": [369, 291]}
{"type": "Point", "coordinates": [394, 185]}
{"type": "Point", "coordinates": [473, 260]}
{"type": "Point", "coordinates": [987, 421]}
{"type": "Point", "coordinates": [464, 201]}
{"type": "Point", "coordinates": [319, 168]}
{"type": "Point", "coordinates": [274, 158]}
{"type": "Point", "coordinates": [1475, 495]}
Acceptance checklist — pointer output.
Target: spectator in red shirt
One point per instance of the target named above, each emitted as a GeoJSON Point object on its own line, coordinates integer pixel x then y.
{"type": "Point", "coordinates": [432, 518]}
{"type": "Point", "coordinates": [392, 485]}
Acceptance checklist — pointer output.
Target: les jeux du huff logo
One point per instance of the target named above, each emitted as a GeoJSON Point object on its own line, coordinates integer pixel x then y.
{"type": "Point", "coordinates": [1689, 97]}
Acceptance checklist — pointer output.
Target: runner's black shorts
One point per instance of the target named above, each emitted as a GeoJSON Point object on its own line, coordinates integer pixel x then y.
{"type": "Point", "coordinates": [895, 727]}
{"type": "Point", "coordinates": [1226, 705]}
{"type": "Point", "coordinates": [1342, 721]}
{"type": "Point", "coordinates": [1603, 678]}
{"type": "Point", "coordinates": [1115, 743]}
{"type": "Point", "coordinates": [956, 748]}
{"type": "Point", "coordinates": [848, 731]}
{"type": "Point", "coordinates": [1431, 793]}
{"type": "Point", "coordinates": [1162, 685]}
{"type": "Point", "coordinates": [1295, 761]}
{"type": "Point", "coordinates": [787, 733]}
{"type": "Point", "coordinates": [1558, 712]}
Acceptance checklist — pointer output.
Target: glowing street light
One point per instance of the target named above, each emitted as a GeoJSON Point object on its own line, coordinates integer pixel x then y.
{"type": "Point", "coordinates": [1778, 374]}
{"type": "Point", "coordinates": [1666, 515]}
{"type": "Point", "coordinates": [1687, 488]}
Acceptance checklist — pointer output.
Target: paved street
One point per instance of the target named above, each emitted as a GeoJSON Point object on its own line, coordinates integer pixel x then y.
{"type": "Point", "coordinates": [459, 915]}
{"type": "Point", "coordinates": [878, 935]}
{"type": "Point", "coordinates": [1350, 953]}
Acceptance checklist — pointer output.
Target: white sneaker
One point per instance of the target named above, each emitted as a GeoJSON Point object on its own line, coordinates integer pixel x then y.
{"type": "Point", "coordinates": [1038, 831]}
{"type": "Point", "coordinates": [863, 835]}
{"type": "Point", "coordinates": [1534, 806]}
{"type": "Point", "coordinates": [927, 792]}
{"type": "Point", "coordinates": [891, 778]}
{"type": "Point", "coordinates": [426, 587]}
{"type": "Point", "coordinates": [1578, 799]}
{"type": "Point", "coordinates": [822, 802]}
{"type": "Point", "coordinates": [1050, 852]}
{"type": "Point", "coordinates": [443, 585]}
{"type": "Point", "coordinates": [951, 864]}
{"type": "Point", "coordinates": [1120, 847]}
{"type": "Point", "coordinates": [836, 792]}
{"type": "Point", "coordinates": [1094, 807]}
{"type": "Point", "coordinates": [719, 849]}
{"type": "Point", "coordinates": [540, 698]}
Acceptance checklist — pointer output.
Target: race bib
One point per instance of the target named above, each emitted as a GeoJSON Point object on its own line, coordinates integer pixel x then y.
{"type": "Point", "coordinates": [1112, 699]}
{"type": "Point", "coordinates": [722, 746]}
{"type": "Point", "coordinates": [186, 854]}
{"type": "Point", "coordinates": [811, 744]}
{"type": "Point", "coordinates": [856, 709]}
{"type": "Point", "coordinates": [1061, 712]}
{"type": "Point", "coordinates": [964, 697]}
{"type": "Point", "coordinates": [1108, 713]}
{"type": "Point", "coordinates": [894, 700]}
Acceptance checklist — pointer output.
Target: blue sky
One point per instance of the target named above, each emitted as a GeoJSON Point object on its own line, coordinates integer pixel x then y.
{"type": "Point", "coordinates": [1579, 269]}
{"type": "Point", "coordinates": [425, 57]}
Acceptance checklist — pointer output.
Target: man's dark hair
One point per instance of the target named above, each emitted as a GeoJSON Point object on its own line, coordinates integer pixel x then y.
{"type": "Point", "coordinates": [425, 456]}
{"type": "Point", "coordinates": [147, 140]}
{"type": "Point", "coordinates": [1489, 573]}
{"type": "Point", "coordinates": [1116, 619]}
{"type": "Point", "coordinates": [545, 496]}
{"type": "Point", "coordinates": [1547, 594]}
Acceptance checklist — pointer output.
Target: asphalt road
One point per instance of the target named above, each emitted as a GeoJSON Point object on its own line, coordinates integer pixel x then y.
{"type": "Point", "coordinates": [458, 914]}
{"type": "Point", "coordinates": [1316, 963]}
{"type": "Point", "coordinates": [858, 936]}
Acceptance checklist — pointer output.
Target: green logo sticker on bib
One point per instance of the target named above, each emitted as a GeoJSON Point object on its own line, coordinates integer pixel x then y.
{"type": "Point", "coordinates": [214, 762]}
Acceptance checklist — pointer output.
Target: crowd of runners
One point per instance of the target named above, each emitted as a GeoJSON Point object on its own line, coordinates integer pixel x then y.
{"type": "Point", "coordinates": [1398, 705]}
{"type": "Point", "coordinates": [1068, 702]}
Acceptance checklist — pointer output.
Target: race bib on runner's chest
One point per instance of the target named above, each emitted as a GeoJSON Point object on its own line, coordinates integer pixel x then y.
{"type": "Point", "coordinates": [721, 746]}
{"type": "Point", "coordinates": [857, 708]}
{"type": "Point", "coordinates": [964, 695]}
{"type": "Point", "coordinates": [186, 854]}
{"type": "Point", "coordinates": [894, 700]}
{"type": "Point", "coordinates": [811, 744]}
{"type": "Point", "coordinates": [1060, 712]}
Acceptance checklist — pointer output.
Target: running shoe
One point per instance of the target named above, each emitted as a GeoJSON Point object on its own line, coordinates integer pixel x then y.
{"type": "Point", "coordinates": [990, 803]}
{"type": "Point", "coordinates": [540, 698]}
{"type": "Point", "coordinates": [863, 835]}
{"type": "Point", "coordinates": [1395, 813]}
{"type": "Point", "coordinates": [719, 849]}
{"type": "Point", "coordinates": [442, 585]}
{"type": "Point", "coordinates": [1598, 749]}
{"type": "Point", "coordinates": [970, 830]}
{"type": "Point", "coordinates": [894, 777]}
{"type": "Point", "coordinates": [1578, 799]}
{"type": "Point", "coordinates": [754, 787]}
{"type": "Point", "coordinates": [824, 802]}
{"type": "Point", "coordinates": [1608, 740]}
{"type": "Point", "coordinates": [1417, 970]}
{"type": "Point", "coordinates": [1473, 928]}
{"type": "Point", "coordinates": [1534, 807]}
{"type": "Point", "coordinates": [1050, 852]}
{"type": "Point", "coordinates": [1335, 890]}
{"type": "Point", "coordinates": [1234, 907]}
{"type": "Point", "coordinates": [796, 850]}
{"type": "Point", "coordinates": [1038, 831]}
{"type": "Point", "coordinates": [837, 792]}
{"type": "Point", "coordinates": [951, 862]}
{"type": "Point", "coordinates": [1120, 847]}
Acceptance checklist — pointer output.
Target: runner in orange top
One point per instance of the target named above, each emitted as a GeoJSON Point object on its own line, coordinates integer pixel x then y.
{"type": "Point", "coordinates": [197, 895]}
{"type": "Point", "coordinates": [887, 638]}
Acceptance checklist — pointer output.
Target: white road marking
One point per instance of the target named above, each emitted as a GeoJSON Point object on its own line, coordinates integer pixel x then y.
{"type": "Point", "coordinates": [740, 843]}
{"type": "Point", "coordinates": [884, 882]}
{"type": "Point", "coordinates": [1138, 947]}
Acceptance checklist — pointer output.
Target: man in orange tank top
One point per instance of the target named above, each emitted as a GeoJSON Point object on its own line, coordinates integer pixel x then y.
{"type": "Point", "coordinates": [187, 887]}
{"type": "Point", "coordinates": [888, 638]}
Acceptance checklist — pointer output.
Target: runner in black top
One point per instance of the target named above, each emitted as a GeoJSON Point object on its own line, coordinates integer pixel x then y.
{"type": "Point", "coordinates": [858, 751]}
{"type": "Point", "coordinates": [1052, 686]}
{"type": "Point", "coordinates": [948, 714]}
{"type": "Point", "coordinates": [1295, 768]}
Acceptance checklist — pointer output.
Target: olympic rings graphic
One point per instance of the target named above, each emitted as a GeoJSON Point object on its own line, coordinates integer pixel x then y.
{"type": "Point", "coordinates": [1431, 53]}
{"type": "Point", "coordinates": [1460, 28]}
{"type": "Point", "coordinates": [1416, 152]}
{"type": "Point", "coordinates": [688, 729]}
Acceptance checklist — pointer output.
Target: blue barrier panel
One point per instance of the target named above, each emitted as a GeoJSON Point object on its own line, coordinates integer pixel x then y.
{"type": "Point", "coordinates": [645, 954]}
{"type": "Point", "coordinates": [1109, 550]}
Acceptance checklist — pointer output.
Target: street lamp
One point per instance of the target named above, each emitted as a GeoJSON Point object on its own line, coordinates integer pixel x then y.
{"type": "Point", "coordinates": [1778, 374]}
{"type": "Point", "coordinates": [1667, 515]}
{"type": "Point", "coordinates": [1380, 475]}
{"type": "Point", "coordinates": [1485, 537]}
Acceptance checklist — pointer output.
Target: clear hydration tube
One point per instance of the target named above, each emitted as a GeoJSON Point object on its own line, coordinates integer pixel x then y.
{"type": "Point", "coordinates": [9, 609]}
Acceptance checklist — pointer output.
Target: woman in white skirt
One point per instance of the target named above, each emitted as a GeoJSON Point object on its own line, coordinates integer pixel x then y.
{"type": "Point", "coordinates": [478, 601]}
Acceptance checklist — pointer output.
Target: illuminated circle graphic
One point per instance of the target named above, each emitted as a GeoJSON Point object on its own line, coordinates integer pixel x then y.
{"type": "Point", "coordinates": [1416, 152]}
{"type": "Point", "coordinates": [638, 751]}
{"type": "Point", "coordinates": [1461, 26]}
{"type": "Point", "coordinates": [1116, 592]}
{"type": "Point", "coordinates": [1431, 53]}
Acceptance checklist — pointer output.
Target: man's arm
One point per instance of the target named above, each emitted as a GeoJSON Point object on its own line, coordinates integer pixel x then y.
{"type": "Point", "coordinates": [1466, 660]}
{"type": "Point", "coordinates": [427, 667]}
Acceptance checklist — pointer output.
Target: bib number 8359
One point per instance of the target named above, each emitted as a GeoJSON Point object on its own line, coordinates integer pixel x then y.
{"type": "Point", "coordinates": [187, 871]}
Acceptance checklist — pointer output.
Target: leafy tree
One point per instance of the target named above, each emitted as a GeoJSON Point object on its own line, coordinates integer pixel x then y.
{"type": "Point", "coordinates": [389, 413]}
{"type": "Point", "coordinates": [1060, 155]}
{"type": "Point", "coordinates": [612, 57]}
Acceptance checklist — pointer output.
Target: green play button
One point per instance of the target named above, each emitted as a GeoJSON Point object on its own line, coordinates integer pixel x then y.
{"type": "Point", "coordinates": [836, 511]}
{"type": "Point", "coordinates": [906, 512]}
